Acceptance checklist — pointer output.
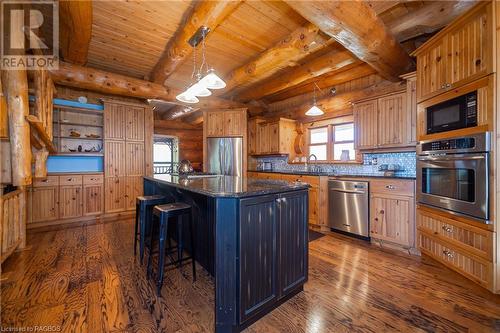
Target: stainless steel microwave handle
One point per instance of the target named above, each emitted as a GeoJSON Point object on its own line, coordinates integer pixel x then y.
{"type": "Point", "coordinates": [467, 158]}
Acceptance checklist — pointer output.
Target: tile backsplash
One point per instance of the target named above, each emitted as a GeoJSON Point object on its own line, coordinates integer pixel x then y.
{"type": "Point", "coordinates": [406, 161]}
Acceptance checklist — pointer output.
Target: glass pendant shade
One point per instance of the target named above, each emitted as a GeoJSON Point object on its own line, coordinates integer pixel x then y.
{"type": "Point", "coordinates": [314, 111]}
{"type": "Point", "coordinates": [212, 81]}
{"type": "Point", "coordinates": [186, 97]}
{"type": "Point", "coordinates": [199, 90]}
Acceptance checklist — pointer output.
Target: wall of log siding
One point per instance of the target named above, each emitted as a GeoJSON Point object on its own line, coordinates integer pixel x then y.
{"type": "Point", "coordinates": [190, 143]}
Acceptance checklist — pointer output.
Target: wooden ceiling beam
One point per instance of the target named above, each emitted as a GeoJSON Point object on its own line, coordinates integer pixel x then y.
{"type": "Point", "coordinates": [208, 13]}
{"type": "Point", "coordinates": [356, 26]}
{"type": "Point", "coordinates": [326, 81]}
{"type": "Point", "coordinates": [337, 105]}
{"type": "Point", "coordinates": [331, 61]}
{"type": "Point", "coordinates": [115, 84]}
{"type": "Point", "coordinates": [432, 16]}
{"type": "Point", "coordinates": [288, 52]}
{"type": "Point", "coordinates": [75, 19]}
{"type": "Point", "coordinates": [178, 112]}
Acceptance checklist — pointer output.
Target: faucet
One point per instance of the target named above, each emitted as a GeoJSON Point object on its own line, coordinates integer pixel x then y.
{"type": "Point", "coordinates": [308, 160]}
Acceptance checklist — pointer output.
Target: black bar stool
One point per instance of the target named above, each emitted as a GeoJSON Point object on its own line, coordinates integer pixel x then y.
{"type": "Point", "coordinates": [143, 216]}
{"type": "Point", "coordinates": [163, 213]}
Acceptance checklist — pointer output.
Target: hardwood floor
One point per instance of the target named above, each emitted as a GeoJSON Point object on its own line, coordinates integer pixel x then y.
{"type": "Point", "coordinates": [86, 279]}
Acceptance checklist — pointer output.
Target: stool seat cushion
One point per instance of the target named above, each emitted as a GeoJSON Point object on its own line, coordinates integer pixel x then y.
{"type": "Point", "coordinates": [172, 207]}
{"type": "Point", "coordinates": [151, 199]}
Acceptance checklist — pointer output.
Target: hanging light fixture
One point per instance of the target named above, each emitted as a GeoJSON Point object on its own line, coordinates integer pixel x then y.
{"type": "Point", "coordinates": [199, 89]}
{"type": "Point", "coordinates": [314, 110]}
{"type": "Point", "coordinates": [187, 97]}
{"type": "Point", "coordinates": [212, 80]}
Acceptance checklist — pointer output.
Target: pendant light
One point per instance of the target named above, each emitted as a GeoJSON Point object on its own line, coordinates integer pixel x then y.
{"type": "Point", "coordinates": [212, 80]}
{"type": "Point", "coordinates": [314, 110]}
{"type": "Point", "coordinates": [199, 89]}
{"type": "Point", "coordinates": [187, 97]}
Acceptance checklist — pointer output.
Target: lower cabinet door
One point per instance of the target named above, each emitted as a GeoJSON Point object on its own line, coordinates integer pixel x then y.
{"type": "Point", "coordinates": [93, 199]}
{"type": "Point", "coordinates": [134, 188]}
{"type": "Point", "coordinates": [43, 204]}
{"type": "Point", "coordinates": [258, 255]}
{"type": "Point", "coordinates": [114, 200]}
{"type": "Point", "coordinates": [392, 219]}
{"type": "Point", "coordinates": [70, 201]}
{"type": "Point", "coordinates": [292, 241]}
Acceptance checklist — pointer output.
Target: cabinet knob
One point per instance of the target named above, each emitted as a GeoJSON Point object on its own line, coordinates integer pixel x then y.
{"type": "Point", "coordinates": [382, 211]}
{"type": "Point", "coordinates": [390, 187]}
{"type": "Point", "coordinates": [376, 219]}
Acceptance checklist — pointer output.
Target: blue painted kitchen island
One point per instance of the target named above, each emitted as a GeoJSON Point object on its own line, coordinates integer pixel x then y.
{"type": "Point", "coordinates": [251, 235]}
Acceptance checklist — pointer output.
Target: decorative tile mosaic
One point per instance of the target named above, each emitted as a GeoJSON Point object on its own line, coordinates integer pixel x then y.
{"type": "Point", "coordinates": [370, 166]}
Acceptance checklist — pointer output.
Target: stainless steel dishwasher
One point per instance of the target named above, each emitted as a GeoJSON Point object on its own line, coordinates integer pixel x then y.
{"type": "Point", "coordinates": [348, 207]}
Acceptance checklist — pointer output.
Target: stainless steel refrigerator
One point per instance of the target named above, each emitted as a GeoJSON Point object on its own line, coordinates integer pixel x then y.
{"type": "Point", "coordinates": [225, 156]}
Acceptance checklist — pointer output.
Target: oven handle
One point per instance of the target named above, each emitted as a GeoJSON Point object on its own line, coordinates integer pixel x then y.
{"type": "Point", "coordinates": [428, 158]}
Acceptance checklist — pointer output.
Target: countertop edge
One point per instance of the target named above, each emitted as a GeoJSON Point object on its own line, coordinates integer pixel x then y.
{"type": "Point", "coordinates": [327, 174]}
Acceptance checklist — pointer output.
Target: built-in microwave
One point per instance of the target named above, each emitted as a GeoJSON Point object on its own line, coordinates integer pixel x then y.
{"type": "Point", "coordinates": [456, 113]}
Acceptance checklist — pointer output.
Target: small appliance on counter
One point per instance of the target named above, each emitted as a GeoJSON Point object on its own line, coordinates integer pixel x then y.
{"type": "Point", "coordinates": [390, 169]}
{"type": "Point", "coordinates": [185, 167]}
{"type": "Point", "coordinates": [266, 166]}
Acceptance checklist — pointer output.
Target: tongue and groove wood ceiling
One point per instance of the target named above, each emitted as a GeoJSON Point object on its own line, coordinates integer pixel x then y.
{"type": "Point", "coordinates": [129, 38]}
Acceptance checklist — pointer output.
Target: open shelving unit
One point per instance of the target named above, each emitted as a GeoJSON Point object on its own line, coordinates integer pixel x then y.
{"type": "Point", "coordinates": [78, 131]}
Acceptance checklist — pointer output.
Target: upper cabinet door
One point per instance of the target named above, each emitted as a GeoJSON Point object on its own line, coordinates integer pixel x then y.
{"type": "Point", "coordinates": [215, 123]}
{"type": "Point", "coordinates": [365, 119]}
{"type": "Point", "coordinates": [393, 126]}
{"type": "Point", "coordinates": [470, 48]}
{"type": "Point", "coordinates": [263, 138]}
{"type": "Point", "coordinates": [274, 137]}
{"type": "Point", "coordinates": [115, 116]}
{"type": "Point", "coordinates": [234, 123]}
{"type": "Point", "coordinates": [135, 123]}
{"type": "Point", "coordinates": [432, 71]}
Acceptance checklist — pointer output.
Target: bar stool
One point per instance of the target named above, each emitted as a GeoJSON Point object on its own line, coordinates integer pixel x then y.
{"type": "Point", "coordinates": [143, 214]}
{"type": "Point", "coordinates": [163, 213]}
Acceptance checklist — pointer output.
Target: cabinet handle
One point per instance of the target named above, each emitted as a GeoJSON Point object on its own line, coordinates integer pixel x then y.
{"type": "Point", "coordinates": [45, 181]}
{"type": "Point", "coordinates": [382, 211]}
{"type": "Point", "coordinates": [390, 187]}
{"type": "Point", "coordinates": [448, 85]}
{"type": "Point", "coordinates": [70, 179]}
{"type": "Point", "coordinates": [448, 253]}
{"type": "Point", "coordinates": [376, 219]}
{"type": "Point", "coordinates": [447, 228]}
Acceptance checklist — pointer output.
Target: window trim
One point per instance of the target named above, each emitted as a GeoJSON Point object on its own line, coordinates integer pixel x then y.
{"type": "Point", "coordinates": [334, 142]}
{"type": "Point", "coordinates": [331, 142]}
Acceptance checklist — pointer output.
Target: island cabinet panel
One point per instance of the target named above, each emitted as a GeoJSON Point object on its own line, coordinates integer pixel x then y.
{"type": "Point", "coordinates": [366, 124]}
{"type": "Point", "coordinates": [115, 119]}
{"type": "Point", "coordinates": [70, 202]}
{"type": "Point", "coordinates": [258, 255]}
{"type": "Point", "coordinates": [135, 124]}
{"type": "Point", "coordinates": [292, 250]}
{"type": "Point", "coordinates": [43, 204]}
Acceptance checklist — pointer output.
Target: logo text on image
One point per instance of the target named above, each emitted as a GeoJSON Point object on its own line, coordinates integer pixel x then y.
{"type": "Point", "coordinates": [30, 35]}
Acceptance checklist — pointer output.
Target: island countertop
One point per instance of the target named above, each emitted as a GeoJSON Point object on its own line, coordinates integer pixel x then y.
{"type": "Point", "coordinates": [229, 186]}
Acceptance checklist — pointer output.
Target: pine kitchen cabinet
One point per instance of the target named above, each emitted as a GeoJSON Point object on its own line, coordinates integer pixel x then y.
{"type": "Point", "coordinates": [225, 123]}
{"type": "Point", "coordinates": [457, 55]}
{"type": "Point", "coordinates": [276, 137]}
{"type": "Point", "coordinates": [392, 211]}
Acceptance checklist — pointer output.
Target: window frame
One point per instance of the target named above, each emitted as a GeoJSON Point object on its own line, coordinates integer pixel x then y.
{"type": "Point", "coordinates": [331, 142]}
{"type": "Point", "coordinates": [326, 144]}
{"type": "Point", "coordinates": [334, 141]}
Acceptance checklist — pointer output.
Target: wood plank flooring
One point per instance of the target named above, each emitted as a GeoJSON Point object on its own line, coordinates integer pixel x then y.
{"type": "Point", "coordinates": [85, 279]}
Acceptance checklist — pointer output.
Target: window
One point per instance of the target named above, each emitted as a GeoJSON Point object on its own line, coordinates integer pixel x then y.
{"type": "Point", "coordinates": [164, 154]}
{"type": "Point", "coordinates": [343, 142]}
{"type": "Point", "coordinates": [334, 142]}
{"type": "Point", "coordinates": [318, 142]}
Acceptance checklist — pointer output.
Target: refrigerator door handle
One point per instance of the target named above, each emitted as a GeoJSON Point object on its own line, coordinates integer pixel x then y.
{"type": "Point", "coordinates": [229, 155]}
{"type": "Point", "coordinates": [221, 156]}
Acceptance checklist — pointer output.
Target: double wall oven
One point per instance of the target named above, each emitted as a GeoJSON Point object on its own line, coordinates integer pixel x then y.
{"type": "Point", "coordinates": [453, 175]}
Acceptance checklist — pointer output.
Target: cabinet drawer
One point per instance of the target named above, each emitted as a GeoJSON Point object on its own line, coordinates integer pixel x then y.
{"type": "Point", "coordinates": [93, 179]}
{"type": "Point", "coordinates": [311, 180]}
{"type": "Point", "coordinates": [70, 180]}
{"type": "Point", "coordinates": [393, 186]}
{"type": "Point", "coordinates": [472, 239]}
{"type": "Point", "coordinates": [475, 268]}
{"type": "Point", "coordinates": [49, 181]}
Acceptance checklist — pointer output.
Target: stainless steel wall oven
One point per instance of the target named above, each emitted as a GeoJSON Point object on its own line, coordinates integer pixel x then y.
{"type": "Point", "coordinates": [453, 174]}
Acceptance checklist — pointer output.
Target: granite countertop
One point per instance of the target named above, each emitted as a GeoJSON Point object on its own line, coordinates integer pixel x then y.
{"type": "Point", "coordinates": [229, 186]}
{"type": "Point", "coordinates": [333, 174]}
